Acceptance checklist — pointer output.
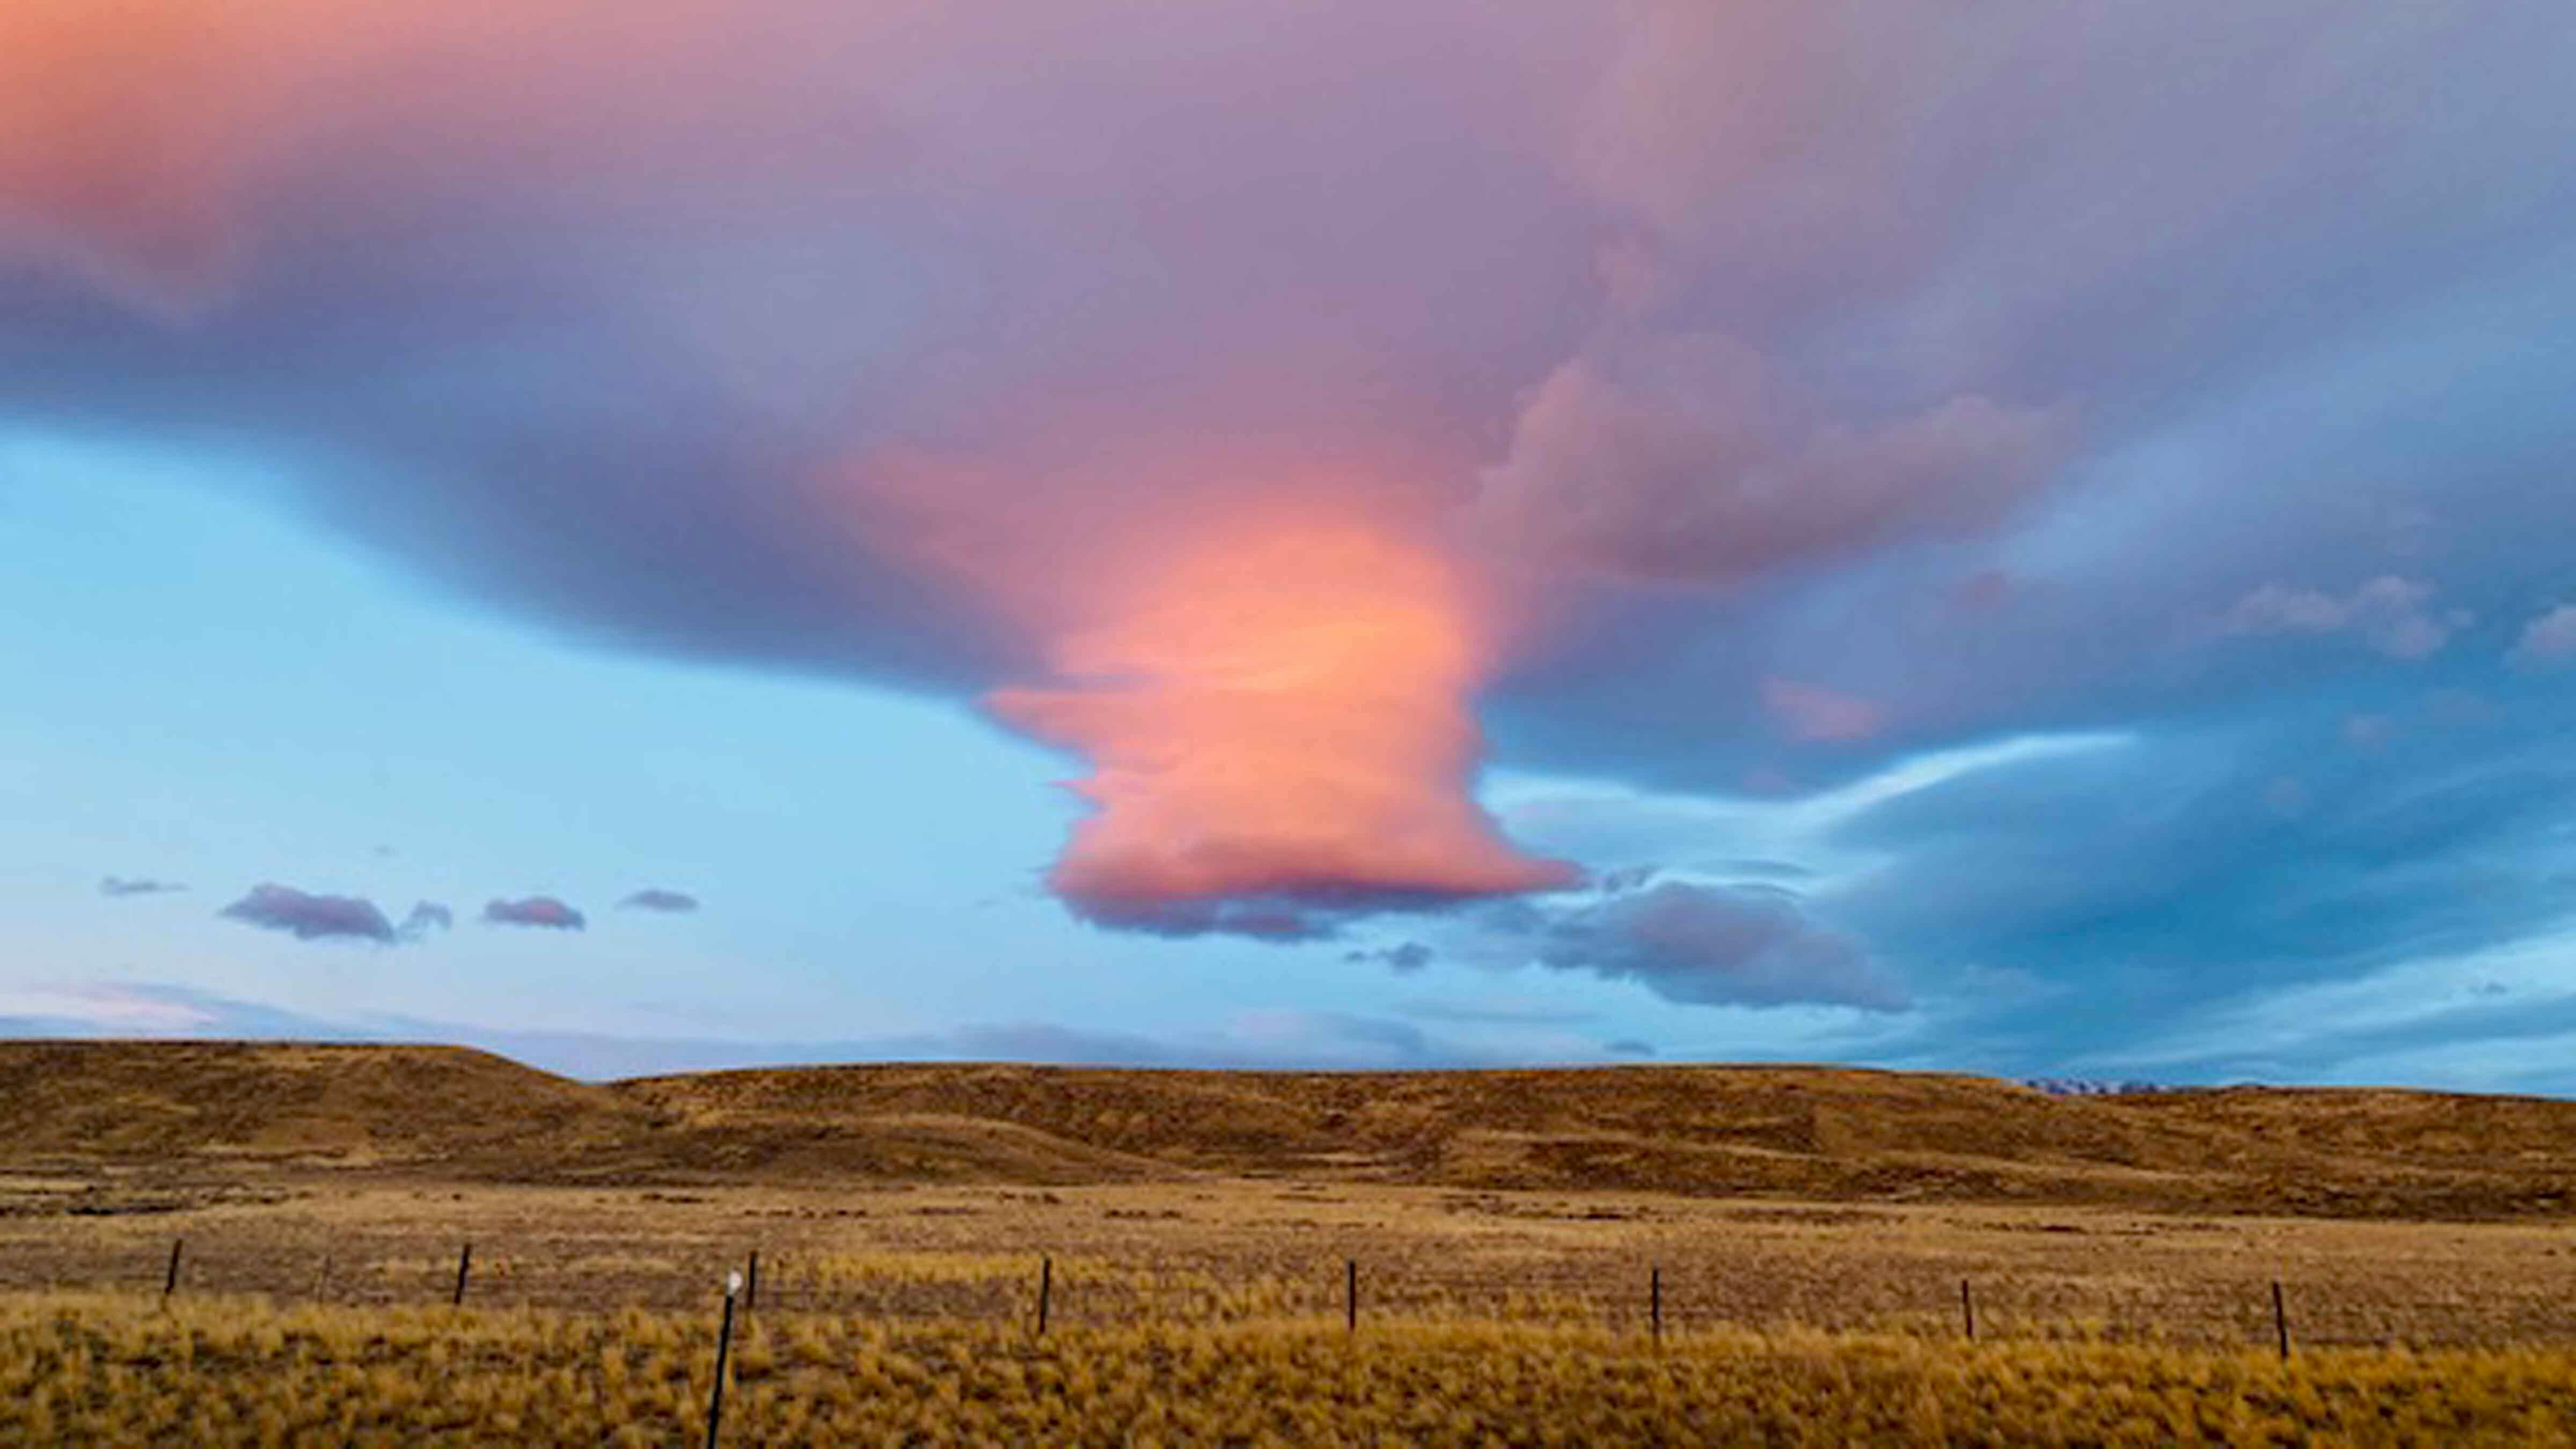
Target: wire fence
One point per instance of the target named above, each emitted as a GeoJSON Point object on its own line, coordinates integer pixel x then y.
{"type": "Point", "coordinates": [1046, 1291]}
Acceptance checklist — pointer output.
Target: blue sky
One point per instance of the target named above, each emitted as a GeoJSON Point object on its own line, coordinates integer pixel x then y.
{"type": "Point", "coordinates": [2029, 541]}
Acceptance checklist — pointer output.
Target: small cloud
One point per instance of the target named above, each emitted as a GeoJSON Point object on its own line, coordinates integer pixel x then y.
{"type": "Point", "coordinates": [2548, 642]}
{"type": "Point", "coordinates": [543, 911]}
{"type": "Point", "coordinates": [656, 899]}
{"type": "Point", "coordinates": [2392, 614]}
{"type": "Point", "coordinates": [2369, 733]}
{"type": "Point", "coordinates": [1495, 1011]}
{"type": "Point", "coordinates": [1404, 959]}
{"type": "Point", "coordinates": [426, 917]}
{"type": "Point", "coordinates": [1629, 1046]}
{"type": "Point", "coordinates": [120, 886]}
{"type": "Point", "coordinates": [1815, 715]}
{"type": "Point", "coordinates": [1625, 878]}
{"type": "Point", "coordinates": [309, 917]}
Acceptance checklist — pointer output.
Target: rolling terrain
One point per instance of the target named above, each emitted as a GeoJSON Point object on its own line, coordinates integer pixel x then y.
{"type": "Point", "coordinates": [209, 1109]}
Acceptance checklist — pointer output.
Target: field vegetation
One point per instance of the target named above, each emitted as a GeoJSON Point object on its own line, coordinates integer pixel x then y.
{"type": "Point", "coordinates": [102, 1369]}
{"type": "Point", "coordinates": [1808, 1233]}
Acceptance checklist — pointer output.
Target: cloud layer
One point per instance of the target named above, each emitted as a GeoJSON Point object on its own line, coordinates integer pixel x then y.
{"type": "Point", "coordinates": [1282, 409]}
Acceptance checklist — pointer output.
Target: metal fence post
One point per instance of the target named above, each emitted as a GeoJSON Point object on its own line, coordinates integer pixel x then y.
{"type": "Point", "coordinates": [724, 1350]}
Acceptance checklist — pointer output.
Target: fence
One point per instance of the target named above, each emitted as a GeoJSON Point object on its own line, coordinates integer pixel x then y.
{"type": "Point", "coordinates": [1044, 1292]}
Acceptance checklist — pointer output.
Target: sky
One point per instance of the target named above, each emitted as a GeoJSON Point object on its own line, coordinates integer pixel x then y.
{"type": "Point", "coordinates": [2032, 538]}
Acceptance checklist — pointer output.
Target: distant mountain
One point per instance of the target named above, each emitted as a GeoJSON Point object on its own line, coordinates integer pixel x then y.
{"type": "Point", "coordinates": [2089, 1086]}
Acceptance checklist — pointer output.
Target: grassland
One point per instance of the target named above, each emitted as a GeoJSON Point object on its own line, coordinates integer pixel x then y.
{"type": "Point", "coordinates": [76, 1370]}
{"type": "Point", "coordinates": [1811, 1229]}
{"type": "Point", "coordinates": [1787, 1132]}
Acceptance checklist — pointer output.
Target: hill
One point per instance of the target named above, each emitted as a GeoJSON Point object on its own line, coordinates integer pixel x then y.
{"type": "Point", "coordinates": [1807, 1132]}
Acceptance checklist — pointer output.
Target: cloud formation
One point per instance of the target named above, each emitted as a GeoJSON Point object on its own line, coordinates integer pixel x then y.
{"type": "Point", "coordinates": [121, 886]}
{"type": "Point", "coordinates": [1685, 458]}
{"type": "Point", "coordinates": [309, 917]}
{"type": "Point", "coordinates": [655, 898]}
{"type": "Point", "coordinates": [2549, 641]}
{"type": "Point", "coordinates": [540, 911]}
{"type": "Point", "coordinates": [1718, 946]}
{"type": "Point", "coordinates": [2392, 613]}
{"type": "Point", "coordinates": [1279, 410]}
{"type": "Point", "coordinates": [425, 917]}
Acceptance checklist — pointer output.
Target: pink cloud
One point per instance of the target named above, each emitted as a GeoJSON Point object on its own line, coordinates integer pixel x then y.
{"type": "Point", "coordinates": [1814, 714]}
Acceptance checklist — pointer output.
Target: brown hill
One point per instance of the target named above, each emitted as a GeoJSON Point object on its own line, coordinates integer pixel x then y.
{"type": "Point", "coordinates": [1823, 1132]}
{"type": "Point", "coordinates": [168, 1101]}
{"type": "Point", "coordinates": [1814, 1132]}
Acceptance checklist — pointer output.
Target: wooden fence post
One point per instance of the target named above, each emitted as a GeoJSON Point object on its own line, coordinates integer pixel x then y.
{"type": "Point", "coordinates": [1655, 1302]}
{"type": "Point", "coordinates": [724, 1350]}
{"type": "Point", "coordinates": [751, 1284]}
{"type": "Point", "coordinates": [1967, 1310]}
{"type": "Point", "coordinates": [1046, 1288]}
{"type": "Point", "coordinates": [464, 1265]}
{"type": "Point", "coordinates": [170, 1280]}
{"type": "Point", "coordinates": [2280, 1318]}
{"type": "Point", "coordinates": [1351, 1295]}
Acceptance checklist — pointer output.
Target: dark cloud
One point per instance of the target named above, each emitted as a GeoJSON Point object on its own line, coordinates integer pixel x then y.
{"type": "Point", "coordinates": [1718, 946]}
{"type": "Point", "coordinates": [1629, 1046]}
{"type": "Point", "coordinates": [655, 898]}
{"type": "Point", "coordinates": [543, 911]}
{"type": "Point", "coordinates": [310, 917]}
{"type": "Point", "coordinates": [123, 886]}
{"type": "Point", "coordinates": [2160, 909]}
{"type": "Point", "coordinates": [1406, 956]}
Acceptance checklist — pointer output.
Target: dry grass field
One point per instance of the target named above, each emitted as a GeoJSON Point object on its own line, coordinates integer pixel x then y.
{"type": "Point", "coordinates": [79, 1370]}
{"type": "Point", "coordinates": [1811, 1229]}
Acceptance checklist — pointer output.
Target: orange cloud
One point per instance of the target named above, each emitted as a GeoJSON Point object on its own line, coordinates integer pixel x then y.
{"type": "Point", "coordinates": [1278, 709]}
{"type": "Point", "coordinates": [141, 139]}
{"type": "Point", "coordinates": [122, 132]}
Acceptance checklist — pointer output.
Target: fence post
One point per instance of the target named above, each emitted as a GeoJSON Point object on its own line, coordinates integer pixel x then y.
{"type": "Point", "coordinates": [464, 1264]}
{"type": "Point", "coordinates": [724, 1350]}
{"type": "Point", "coordinates": [322, 1278]}
{"type": "Point", "coordinates": [170, 1280]}
{"type": "Point", "coordinates": [1655, 1302]}
{"type": "Point", "coordinates": [1046, 1288]}
{"type": "Point", "coordinates": [751, 1284]}
{"type": "Point", "coordinates": [2280, 1318]}
{"type": "Point", "coordinates": [1351, 1295]}
{"type": "Point", "coordinates": [1967, 1310]}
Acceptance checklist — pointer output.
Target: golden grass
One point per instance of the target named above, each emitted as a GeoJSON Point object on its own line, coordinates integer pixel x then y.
{"type": "Point", "coordinates": [1140, 1254]}
{"type": "Point", "coordinates": [109, 1369]}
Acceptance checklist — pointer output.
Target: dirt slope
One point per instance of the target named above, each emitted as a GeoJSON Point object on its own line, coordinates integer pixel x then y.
{"type": "Point", "coordinates": [1812, 1132]}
